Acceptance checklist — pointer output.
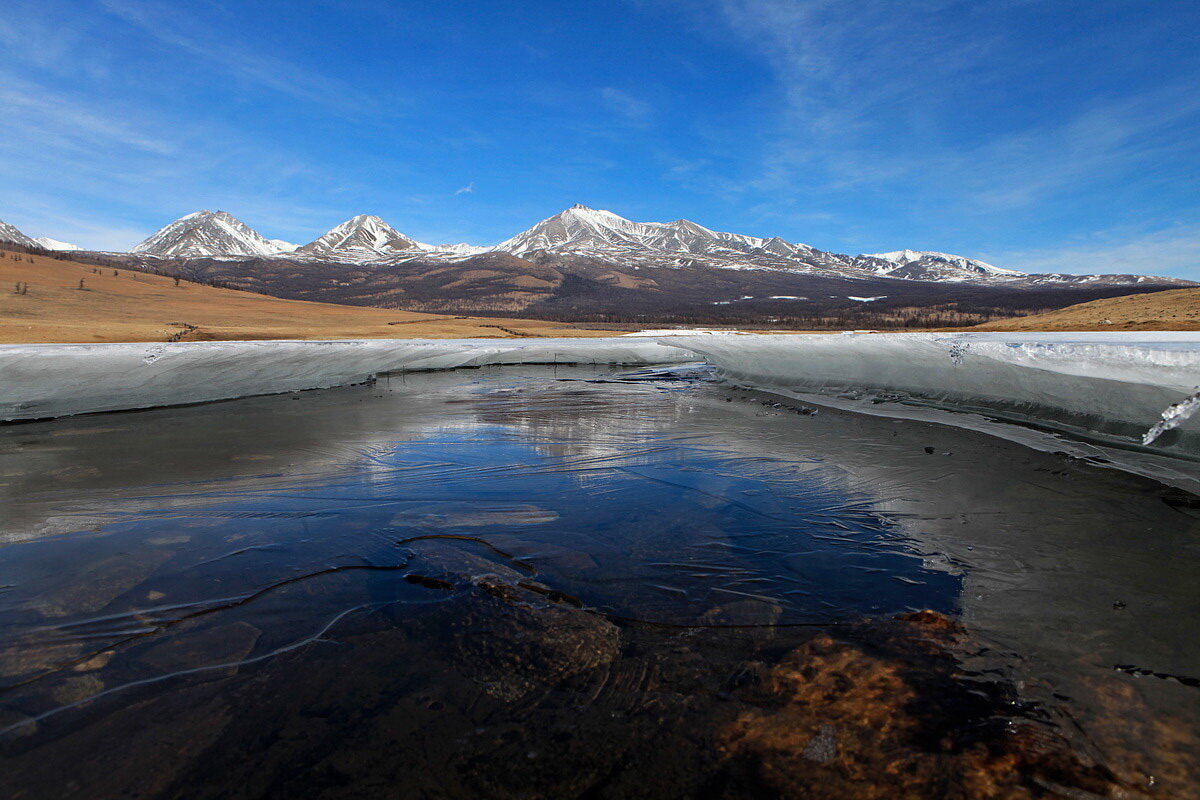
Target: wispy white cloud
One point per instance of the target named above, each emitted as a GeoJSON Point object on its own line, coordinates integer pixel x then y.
{"type": "Point", "coordinates": [1098, 144]}
{"type": "Point", "coordinates": [867, 102]}
{"type": "Point", "coordinates": [54, 119]}
{"type": "Point", "coordinates": [468, 189]}
{"type": "Point", "coordinates": [42, 33]}
{"type": "Point", "coordinates": [62, 152]}
{"type": "Point", "coordinates": [633, 109]}
{"type": "Point", "coordinates": [1170, 251]}
{"type": "Point", "coordinates": [534, 51]}
{"type": "Point", "coordinates": [214, 43]}
{"type": "Point", "coordinates": [839, 64]}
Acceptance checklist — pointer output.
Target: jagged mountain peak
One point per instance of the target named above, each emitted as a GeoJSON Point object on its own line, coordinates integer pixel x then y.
{"type": "Point", "coordinates": [12, 234]}
{"type": "Point", "coordinates": [594, 216]}
{"type": "Point", "coordinates": [209, 233]}
{"type": "Point", "coordinates": [602, 234]}
{"type": "Point", "coordinates": [578, 226]}
{"type": "Point", "coordinates": [691, 227]}
{"type": "Point", "coordinates": [366, 221]}
{"type": "Point", "coordinates": [585, 235]}
{"type": "Point", "coordinates": [363, 236]}
{"type": "Point", "coordinates": [932, 265]}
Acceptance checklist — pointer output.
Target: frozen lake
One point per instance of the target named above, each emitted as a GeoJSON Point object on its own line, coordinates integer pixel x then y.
{"type": "Point", "coordinates": [562, 582]}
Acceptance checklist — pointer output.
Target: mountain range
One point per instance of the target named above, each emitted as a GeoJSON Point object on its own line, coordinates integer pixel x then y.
{"type": "Point", "coordinates": [582, 232]}
{"type": "Point", "coordinates": [585, 262]}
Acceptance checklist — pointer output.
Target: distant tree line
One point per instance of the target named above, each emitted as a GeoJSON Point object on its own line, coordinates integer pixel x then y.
{"type": "Point", "coordinates": [895, 319]}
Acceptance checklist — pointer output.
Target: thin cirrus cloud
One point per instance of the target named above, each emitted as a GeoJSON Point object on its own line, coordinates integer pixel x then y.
{"type": "Point", "coordinates": [181, 29]}
{"type": "Point", "coordinates": [963, 127]}
{"type": "Point", "coordinates": [632, 108]}
{"type": "Point", "coordinates": [1131, 134]}
{"type": "Point", "coordinates": [856, 77]}
{"type": "Point", "coordinates": [1005, 127]}
{"type": "Point", "coordinates": [1172, 251]}
{"type": "Point", "coordinates": [63, 156]}
{"type": "Point", "coordinates": [35, 114]}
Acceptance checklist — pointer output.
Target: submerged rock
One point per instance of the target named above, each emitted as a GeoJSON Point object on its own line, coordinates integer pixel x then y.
{"type": "Point", "coordinates": [833, 719]}
{"type": "Point", "coordinates": [512, 644]}
{"type": "Point", "coordinates": [184, 650]}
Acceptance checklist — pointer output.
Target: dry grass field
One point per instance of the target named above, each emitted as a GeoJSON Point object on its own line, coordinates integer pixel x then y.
{"type": "Point", "coordinates": [139, 307]}
{"type": "Point", "coordinates": [1172, 310]}
{"type": "Point", "coordinates": [132, 306]}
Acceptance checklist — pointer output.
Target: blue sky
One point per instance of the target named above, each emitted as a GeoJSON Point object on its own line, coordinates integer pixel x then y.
{"type": "Point", "coordinates": [1040, 135]}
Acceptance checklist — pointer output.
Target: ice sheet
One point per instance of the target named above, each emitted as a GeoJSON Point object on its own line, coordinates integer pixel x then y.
{"type": "Point", "coordinates": [298, 541]}
{"type": "Point", "coordinates": [40, 381]}
{"type": "Point", "coordinates": [1109, 386]}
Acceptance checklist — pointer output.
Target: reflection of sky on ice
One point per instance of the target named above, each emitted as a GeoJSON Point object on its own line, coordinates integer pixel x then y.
{"type": "Point", "coordinates": [665, 523]}
{"type": "Point", "coordinates": [668, 501]}
{"type": "Point", "coordinates": [611, 493]}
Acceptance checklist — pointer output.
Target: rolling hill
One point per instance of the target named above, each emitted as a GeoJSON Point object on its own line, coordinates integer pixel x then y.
{"type": "Point", "coordinates": [1172, 310]}
{"type": "Point", "coordinates": [48, 299]}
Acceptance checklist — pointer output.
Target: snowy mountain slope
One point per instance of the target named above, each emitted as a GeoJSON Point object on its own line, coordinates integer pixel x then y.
{"type": "Point", "coordinates": [593, 233]}
{"type": "Point", "coordinates": [586, 233]}
{"type": "Point", "coordinates": [10, 233]}
{"type": "Point", "coordinates": [587, 241]}
{"type": "Point", "coordinates": [602, 234]}
{"type": "Point", "coordinates": [460, 249]}
{"type": "Point", "coordinates": [903, 257]}
{"type": "Point", "coordinates": [367, 238]}
{"type": "Point", "coordinates": [210, 233]}
{"type": "Point", "coordinates": [55, 244]}
{"type": "Point", "coordinates": [925, 265]}
{"type": "Point", "coordinates": [363, 237]}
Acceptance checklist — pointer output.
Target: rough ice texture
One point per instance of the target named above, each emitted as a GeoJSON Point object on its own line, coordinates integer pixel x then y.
{"type": "Point", "coordinates": [1174, 416]}
{"type": "Point", "coordinates": [1111, 386]}
{"type": "Point", "coordinates": [39, 381]}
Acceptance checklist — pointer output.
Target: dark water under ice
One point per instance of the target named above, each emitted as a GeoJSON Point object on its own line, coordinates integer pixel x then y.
{"type": "Point", "coordinates": [569, 582]}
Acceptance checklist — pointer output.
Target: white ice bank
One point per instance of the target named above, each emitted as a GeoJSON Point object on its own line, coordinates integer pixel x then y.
{"type": "Point", "coordinates": [39, 381]}
{"type": "Point", "coordinates": [1111, 386]}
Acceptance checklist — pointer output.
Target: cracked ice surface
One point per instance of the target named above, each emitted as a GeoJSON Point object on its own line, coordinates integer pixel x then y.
{"type": "Point", "coordinates": [39, 381]}
{"type": "Point", "coordinates": [1111, 386]}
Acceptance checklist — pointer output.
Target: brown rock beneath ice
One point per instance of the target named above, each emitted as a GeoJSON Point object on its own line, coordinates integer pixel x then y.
{"type": "Point", "coordinates": [837, 722]}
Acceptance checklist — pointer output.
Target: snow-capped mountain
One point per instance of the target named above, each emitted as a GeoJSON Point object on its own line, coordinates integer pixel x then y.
{"type": "Point", "coordinates": [582, 238]}
{"type": "Point", "coordinates": [210, 233]}
{"type": "Point", "coordinates": [460, 249]}
{"type": "Point", "coordinates": [596, 233]}
{"type": "Point", "coordinates": [924, 265]}
{"type": "Point", "coordinates": [364, 237]}
{"type": "Point", "coordinates": [55, 244]}
{"type": "Point", "coordinates": [583, 231]}
{"type": "Point", "coordinates": [368, 238]}
{"type": "Point", "coordinates": [10, 233]}
{"type": "Point", "coordinates": [592, 234]}
{"type": "Point", "coordinates": [595, 264]}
